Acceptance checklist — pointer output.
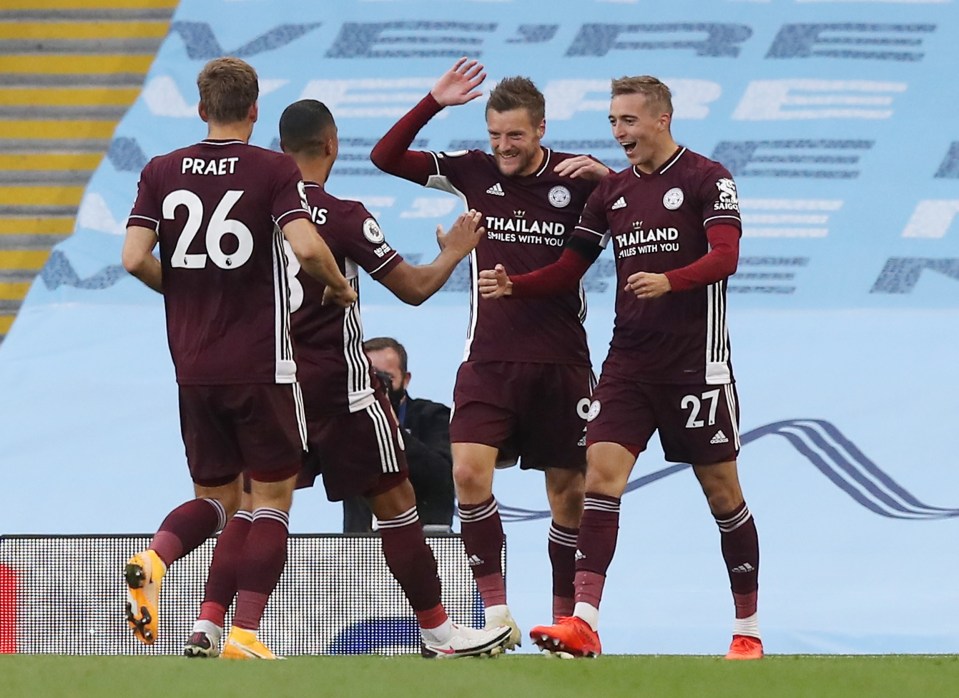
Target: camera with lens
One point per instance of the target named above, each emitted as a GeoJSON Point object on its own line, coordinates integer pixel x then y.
{"type": "Point", "coordinates": [396, 396]}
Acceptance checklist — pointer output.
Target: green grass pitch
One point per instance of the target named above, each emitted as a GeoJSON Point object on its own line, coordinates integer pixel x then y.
{"type": "Point", "coordinates": [519, 676]}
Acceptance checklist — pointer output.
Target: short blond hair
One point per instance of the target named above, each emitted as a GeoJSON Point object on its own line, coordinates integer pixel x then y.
{"type": "Point", "coordinates": [657, 93]}
{"type": "Point", "coordinates": [228, 89]}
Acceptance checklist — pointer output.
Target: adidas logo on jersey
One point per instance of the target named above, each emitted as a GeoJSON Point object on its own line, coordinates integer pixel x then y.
{"type": "Point", "coordinates": [496, 190]}
{"type": "Point", "coordinates": [719, 438]}
{"type": "Point", "coordinates": [619, 203]}
{"type": "Point", "coordinates": [474, 560]}
{"type": "Point", "coordinates": [742, 569]}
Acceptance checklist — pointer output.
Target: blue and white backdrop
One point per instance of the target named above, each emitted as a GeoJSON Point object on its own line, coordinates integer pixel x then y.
{"type": "Point", "coordinates": [838, 120]}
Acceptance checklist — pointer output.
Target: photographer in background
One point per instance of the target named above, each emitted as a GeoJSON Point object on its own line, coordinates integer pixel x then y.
{"type": "Point", "coordinates": [426, 433]}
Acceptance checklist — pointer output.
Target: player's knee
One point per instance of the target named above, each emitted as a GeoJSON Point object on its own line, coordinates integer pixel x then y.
{"type": "Point", "coordinates": [393, 502]}
{"type": "Point", "coordinates": [227, 495]}
{"type": "Point", "coordinates": [471, 480]}
{"type": "Point", "coordinates": [723, 501]}
{"type": "Point", "coordinates": [721, 487]}
{"type": "Point", "coordinates": [605, 480]}
{"type": "Point", "coordinates": [230, 505]}
{"type": "Point", "coordinates": [567, 512]}
{"type": "Point", "coordinates": [571, 498]}
{"type": "Point", "coordinates": [566, 503]}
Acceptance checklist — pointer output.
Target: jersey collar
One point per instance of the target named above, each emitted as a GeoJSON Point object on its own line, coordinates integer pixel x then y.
{"type": "Point", "coordinates": [672, 160]}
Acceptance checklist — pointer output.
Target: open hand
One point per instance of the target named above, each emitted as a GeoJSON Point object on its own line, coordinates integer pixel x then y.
{"type": "Point", "coordinates": [582, 166]}
{"type": "Point", "coordinates": [464, 235]}
{"type": "Point", "coordinates": [459, 84]}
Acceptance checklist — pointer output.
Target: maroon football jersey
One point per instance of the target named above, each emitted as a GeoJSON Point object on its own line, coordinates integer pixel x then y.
{"type": "Point", "coordinates": [217, 207]}
{"type": "Point", "coordinates": [527, 219]}
{"type": "Point", "coordinates": [331, 363]}
{"type": "Point", "coordinates": [657, 222]}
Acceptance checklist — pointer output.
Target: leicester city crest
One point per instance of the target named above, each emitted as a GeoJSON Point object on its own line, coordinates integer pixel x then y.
{"type": "Point", "coordinates": [559, 196]}
{"type": "Point", "coordinates": [673, 199]}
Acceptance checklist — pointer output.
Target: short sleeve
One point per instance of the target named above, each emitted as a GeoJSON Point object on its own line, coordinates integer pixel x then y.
{"type": "Point", "coordinates": [593, 224]}
{"type": "Point", "coordinates": [367, 246]}
{"type": "Point", "coordinates": [289, 200]}
{"type": "Point", "coordinates": [146, 208]}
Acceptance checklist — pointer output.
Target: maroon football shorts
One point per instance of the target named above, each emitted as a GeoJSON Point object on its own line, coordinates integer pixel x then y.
{"type": "Point", "coordinates": [534, 412]}
{"type": "Point", "coordinates": [228, 429]}
{"type": "Point", "coordinates": [697, 424]}
{"type": "Point", "coordinates": [357, 453]}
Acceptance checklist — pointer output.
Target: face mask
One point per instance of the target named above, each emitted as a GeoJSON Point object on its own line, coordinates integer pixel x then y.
{"type": "Point", "coordinates": [396, 395]}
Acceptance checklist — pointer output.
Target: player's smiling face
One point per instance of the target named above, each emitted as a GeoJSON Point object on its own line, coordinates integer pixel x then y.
{"type": "Point", "coordinates": [514, 140]}
{"type": "Point", "coordinates": [641, 130]}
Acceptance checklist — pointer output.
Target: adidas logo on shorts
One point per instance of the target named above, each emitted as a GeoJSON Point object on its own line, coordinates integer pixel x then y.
{"type": "Point", "coordinates": [719, 438]}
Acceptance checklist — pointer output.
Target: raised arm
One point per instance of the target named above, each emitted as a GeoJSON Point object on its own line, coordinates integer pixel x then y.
{"type": "Point", "coordinates": [392, 153]}
{"type": "Point", "coordinates": [413, 284]}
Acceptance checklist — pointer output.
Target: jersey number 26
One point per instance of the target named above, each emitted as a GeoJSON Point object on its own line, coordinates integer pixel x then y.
{"type": "Point", "coordinates": [218, 227]}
